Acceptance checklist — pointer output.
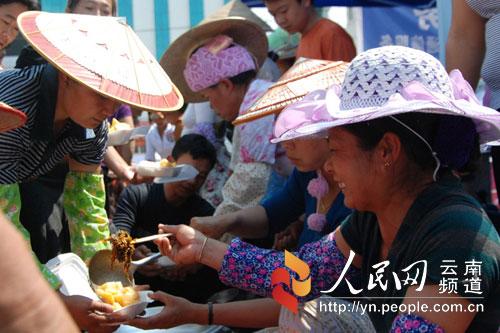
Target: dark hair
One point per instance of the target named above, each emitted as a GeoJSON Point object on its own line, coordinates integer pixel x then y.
{"type": "Point", "coordinates": [31, 4]}
{"type": "Point", "coordinates": [456, 149]}
{"type": "Point", "coordinates": [244, 78]}
{"type": "Point", "coordinates": [197, 146]}
{"type": "Point", "coordinates": [73, 3]}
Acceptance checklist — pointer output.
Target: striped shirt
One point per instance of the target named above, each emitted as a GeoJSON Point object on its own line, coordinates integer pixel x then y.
{"type": "Point", "coordinates": [33, 150]}
{"type": "Point", "coordinates": [490, 72]}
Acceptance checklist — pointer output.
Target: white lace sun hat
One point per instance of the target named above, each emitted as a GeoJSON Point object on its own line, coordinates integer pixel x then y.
{"type": "Point", "coordinates": [391, 80]}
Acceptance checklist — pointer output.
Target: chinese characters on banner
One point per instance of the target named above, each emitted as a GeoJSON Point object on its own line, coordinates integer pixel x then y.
{"type": "Point", "coordinates": [405, 26]}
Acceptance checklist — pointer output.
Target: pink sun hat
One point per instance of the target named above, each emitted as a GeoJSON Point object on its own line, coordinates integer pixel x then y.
{"type": "Point", "coordinates": [308, 111]}
{"type": "Point", "coordinates": [391, 80]}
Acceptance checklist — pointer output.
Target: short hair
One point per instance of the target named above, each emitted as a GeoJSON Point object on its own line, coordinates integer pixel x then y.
{"type": "Point", "coordinates": [31, 4]}
{"type": "Point", "coordinates": [197, 146]}
{"type": "Point", "coordinates": [73, 3]}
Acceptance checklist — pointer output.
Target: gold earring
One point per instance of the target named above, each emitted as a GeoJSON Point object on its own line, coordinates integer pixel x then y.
{"type": "Point", "coordinates": [387, 164]}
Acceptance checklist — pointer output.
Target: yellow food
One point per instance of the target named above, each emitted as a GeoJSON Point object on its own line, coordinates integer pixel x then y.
{"type": "Point", "coordinates": [118, 126]}
{"type": "Point", "coordinates": [115, 294]}
{"type": "Point", "coordinates": [164, 163]}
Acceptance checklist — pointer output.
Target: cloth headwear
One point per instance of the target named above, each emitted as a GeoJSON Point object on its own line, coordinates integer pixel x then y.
{"type": "Point", "coordinates": [217, 60]}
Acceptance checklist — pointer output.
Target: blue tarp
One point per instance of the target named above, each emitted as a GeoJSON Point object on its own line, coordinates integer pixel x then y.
{"type": "Point", "coordinates": [360, 3]}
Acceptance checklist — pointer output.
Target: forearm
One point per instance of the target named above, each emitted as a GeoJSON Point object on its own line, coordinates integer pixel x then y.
{"type": "Point", "coordinates": [27, 303]}
{"type": "Point", "coordinates": [256, 313]}
{"type": "Point", "coordinates": [250, 268]}
{"type": "Point", "coordinates": [213, 253]}
{"type": "Point", "coordinates": [84, 199]}
{"type": "Point", "coordinates": [248, 223]}
{"type": "Point", "coordinates": [117, 164]}
{"type": "Point", "coordinates": [465, 47]}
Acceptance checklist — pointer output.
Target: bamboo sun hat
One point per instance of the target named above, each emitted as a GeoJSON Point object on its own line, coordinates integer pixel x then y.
{"type": "Point", "coordinates": [243, 32]}
{"type": "Point", "coordinates": [105, 55]}
{"type": "Point", "coordinates": [10, 118]}
{"type": "Point", "coordinates": [305, 76]}
{"type": "Point", "coordinates": [392, 80]}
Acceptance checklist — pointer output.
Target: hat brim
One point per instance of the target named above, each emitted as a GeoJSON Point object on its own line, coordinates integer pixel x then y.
{"type": "Point", "coordinates": [242, 31]}
{"type": "Point", "coordinates": [305, 76]}
{"type": "Point", "coordinates": [10, 118]}
{"type": "Point", "coordinates": [170, 101]}
{"type": "Point", "coordinates": [486, 120]}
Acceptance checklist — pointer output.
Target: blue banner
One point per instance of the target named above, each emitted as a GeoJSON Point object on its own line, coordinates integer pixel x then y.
{"type": "Point", "coordinates": [416, 28]}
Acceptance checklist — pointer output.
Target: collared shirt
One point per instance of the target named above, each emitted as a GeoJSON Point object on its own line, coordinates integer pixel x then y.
{"type": "Point", "coordinates": [162, 145]}
{"type": "Point", "coordinates": [33, 150]}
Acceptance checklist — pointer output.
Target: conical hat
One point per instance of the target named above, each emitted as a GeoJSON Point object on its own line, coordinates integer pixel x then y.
{"type": "Point", "coordinates": [10, 118]}
{"type": "Point", "coordinates": [304, 76]}
{"type": "Point", "coordinates": [103, 54]}
{"type": "Point", "coordinates": [242, 31]}
{"type": "Point", "coordinates": [236, 8]}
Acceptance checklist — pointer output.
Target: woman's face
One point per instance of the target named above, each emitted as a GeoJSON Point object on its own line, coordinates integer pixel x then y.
{"type": "Point", "coordinates": [353, 170]}
{"type": "Point", "coordinates": [84, 106]}
{"type": "Point", "coordinates": [307, 154]}
{"type": "Point", "coordinates": [94, 7]}
{"type": "Point", "coordinates": [8, 24]}
{"type": "Point", "coordinates": [223, 100]}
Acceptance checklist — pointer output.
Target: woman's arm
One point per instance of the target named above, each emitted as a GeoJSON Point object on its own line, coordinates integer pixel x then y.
{"type": "Point", "coordinates": [258, 313]}
{"type": "Point", "coordinates": [250, 222]}
{"type": "Point", "coordinates": [465, 46]}
{"type": "Point", "coordinates": [250, 268]}
{"type": "Point", "coordinates": [84, 199]}
{"type": "Point", "coordinates": [27, 303]}
{"type": "Point", "coordinates": [436, 319]}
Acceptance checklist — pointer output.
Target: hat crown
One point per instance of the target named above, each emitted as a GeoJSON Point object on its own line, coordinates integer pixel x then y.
{"type": "Point", "coordinates": [377, 74]}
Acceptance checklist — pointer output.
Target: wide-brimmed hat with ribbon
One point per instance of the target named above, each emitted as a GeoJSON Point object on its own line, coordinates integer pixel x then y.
{"type": "Point", "coordinates": [392, 80]}
{"type": "Point", "coordinates": [104, 54]}
{"type": "Point", "coordinates": [305, 76]}
{"type": "Point", "coordinates": [242, 31]}
{"type": "Point", "coordinates": [10, 118]}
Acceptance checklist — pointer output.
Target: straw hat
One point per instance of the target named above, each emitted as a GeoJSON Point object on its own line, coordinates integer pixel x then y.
{"type": "Point", "coordinates": [304, 76]}
{"type": "Point", "coordinates": [103, 54]}
{"type": "Point", "coordinates": [392, 80]}
{"type": "Point", "coordinates": [10, 118]}
{"type": "Point", "coordinates": [242, 31]}
{"type": "Point", "coordinates": [236, 8]}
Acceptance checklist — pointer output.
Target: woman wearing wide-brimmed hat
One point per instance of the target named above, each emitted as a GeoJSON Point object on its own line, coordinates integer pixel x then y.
{"type": "Point", "coordinates": [218, 61]}
{"type": "Point", "coordinates": [94, 64]}
{"type": "Point", "coordinates": [402, 132]}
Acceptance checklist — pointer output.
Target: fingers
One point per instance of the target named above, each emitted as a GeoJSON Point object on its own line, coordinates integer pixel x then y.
{"type": "Point", "coordinates": [141, 287]}
{"type": "Point", "coordinates": [165, 228]}
{"type": "Point", "coordinates": [100, 307]}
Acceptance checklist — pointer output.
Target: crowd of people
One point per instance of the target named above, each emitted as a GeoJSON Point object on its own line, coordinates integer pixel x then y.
{"type": "Point", "coordinates": [352, 164]}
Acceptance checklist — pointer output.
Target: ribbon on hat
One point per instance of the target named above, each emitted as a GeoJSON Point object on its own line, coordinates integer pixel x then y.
{"type": "Point", "coordinates": [462, 90]}
{"type": "Point", "coordinates": [311, 109]}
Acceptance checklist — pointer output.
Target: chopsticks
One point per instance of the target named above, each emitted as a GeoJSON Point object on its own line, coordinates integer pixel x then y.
{"type": "Point", "coordinates": [150, 238]}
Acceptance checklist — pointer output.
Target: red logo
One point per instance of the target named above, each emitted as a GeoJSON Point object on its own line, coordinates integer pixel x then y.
{"type": "Point", "coordinates": [281, 278]}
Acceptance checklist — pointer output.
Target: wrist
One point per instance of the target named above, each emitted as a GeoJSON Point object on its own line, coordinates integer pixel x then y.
{"type": "Point", "coordinates": [198, 314]}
